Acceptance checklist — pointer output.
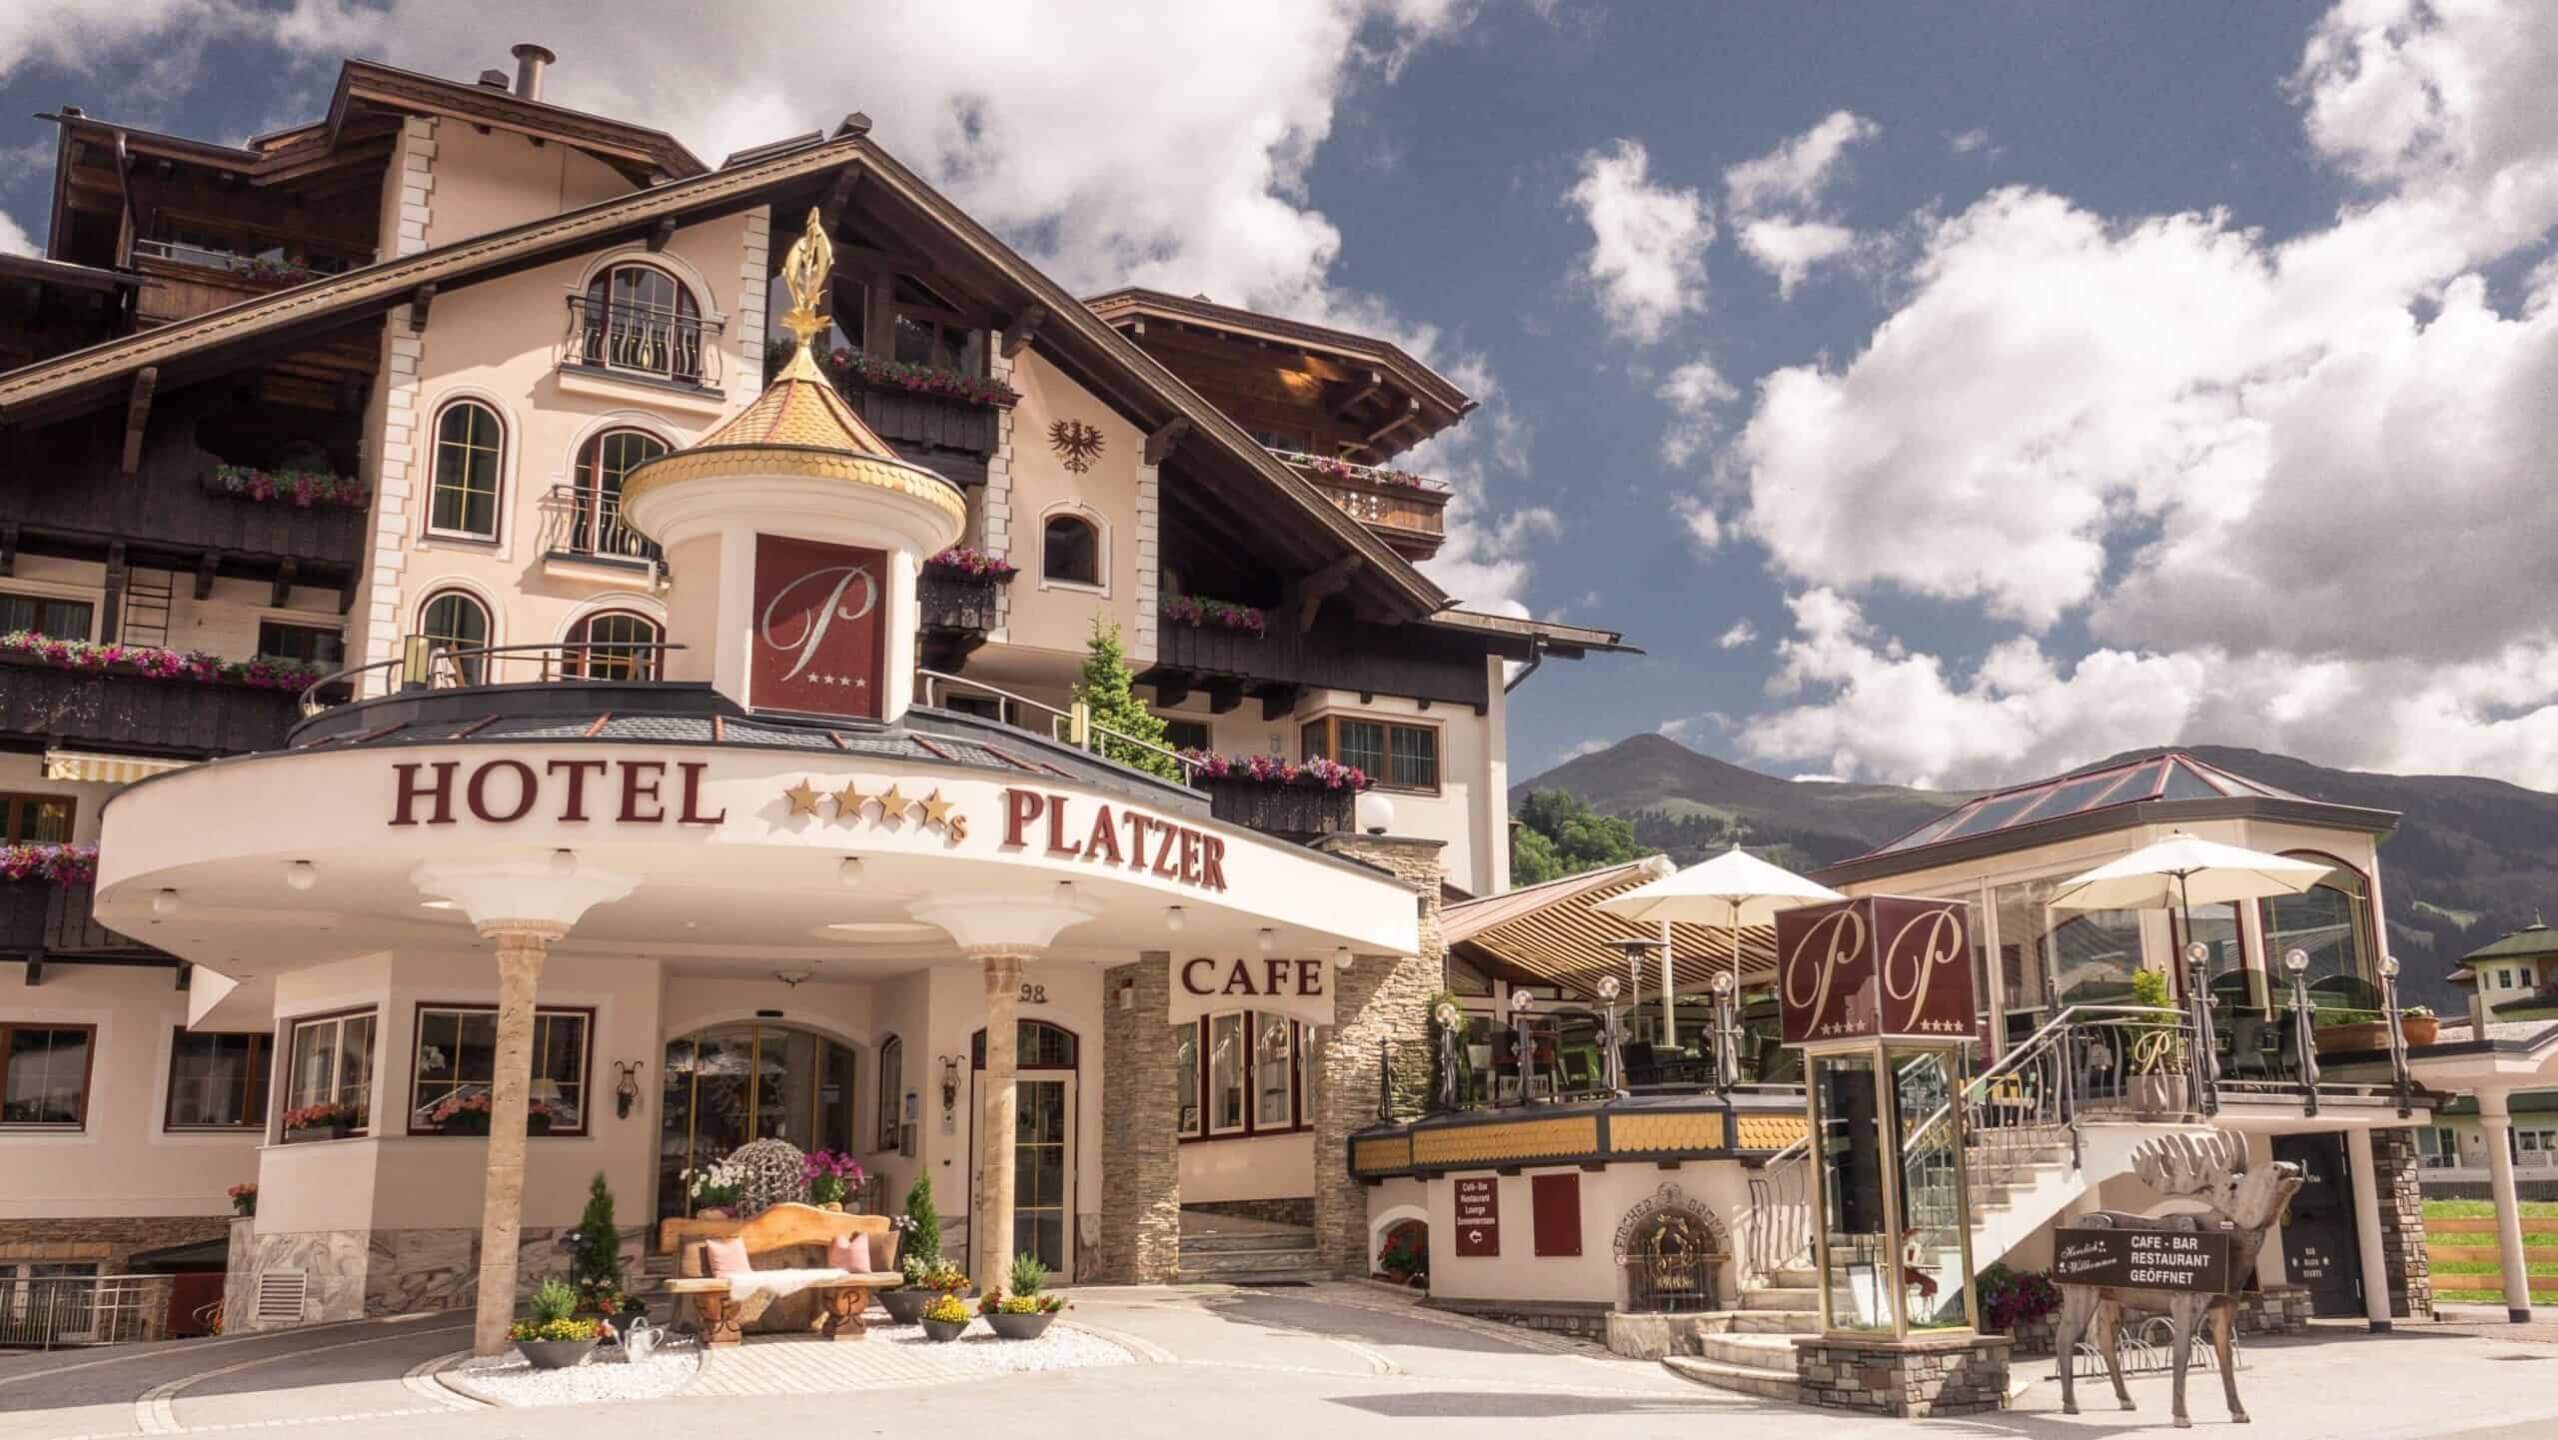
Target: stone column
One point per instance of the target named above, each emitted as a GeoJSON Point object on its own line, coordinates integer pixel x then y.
{"type": "Point", "coordinates": [991, 1232]}
{"type": "Point", "coordinates": [2496, 1115]}
{"type": "Point", "coordinates": [1381, 1005]}
{"type": "Point", "coordinates": [1140, 1126]}
{"type": "Point", "coordinates": [2402, 1222]}
{"type": "Point", "coordinates": [520, 948]}
{"type": "Point", "coordinates": [2366, 1178]}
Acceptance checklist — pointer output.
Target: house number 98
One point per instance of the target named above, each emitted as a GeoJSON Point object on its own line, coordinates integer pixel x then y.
{"type": "Point", "coordinates": [1034, 994]}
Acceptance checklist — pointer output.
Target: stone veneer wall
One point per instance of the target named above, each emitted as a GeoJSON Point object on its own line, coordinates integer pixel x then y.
{"type": "Point", "coordinates": [358, 1275]}
{"type": "Point", "coordinates": [2397, 1171]}
{"type": "Point", "coordinates": [1140, 1147]}
{"type": "Point", "coordinates": [1958, 1376]}
{"type": "Point", "coordinates": [1298, 1210]}
{"type": "Point", "coordinates": [1378, 1002]}
{"type": "Point", "coordinates": [108, 1241]}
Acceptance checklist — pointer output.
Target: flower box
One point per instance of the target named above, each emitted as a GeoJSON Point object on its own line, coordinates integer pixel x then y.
{"type": "Point", "coordinates": [1203, 613]}
{"type": "Point", "coordinates": [1290, 810]}
{"type": "Point", "coordinates": [301, 489]}
{"type": "Point", "coordinates": [337, 1129]}
{"type": "Point", "coordinates": [958, 602]}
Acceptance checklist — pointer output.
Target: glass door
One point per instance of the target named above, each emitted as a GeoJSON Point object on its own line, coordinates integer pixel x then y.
{"type": "Point", "coordinates": [1042, 1200]}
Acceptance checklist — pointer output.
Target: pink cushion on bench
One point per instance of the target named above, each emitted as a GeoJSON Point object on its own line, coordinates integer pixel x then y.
{"type": "Point", "coordinates": [850, 1252]}
{"type": "Point", "coordinates": [723, 1258]}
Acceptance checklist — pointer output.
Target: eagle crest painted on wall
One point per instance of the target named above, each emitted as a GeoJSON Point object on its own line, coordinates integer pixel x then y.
{"type": "Point", "coordinates": [1075, 442]}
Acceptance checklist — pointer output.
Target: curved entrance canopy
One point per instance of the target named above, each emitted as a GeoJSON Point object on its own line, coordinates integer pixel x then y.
{"type": "Point", "coordinates": [835, 862]}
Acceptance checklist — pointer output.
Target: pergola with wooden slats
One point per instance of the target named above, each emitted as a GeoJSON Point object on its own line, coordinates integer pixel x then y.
{"type": "Point", "coordinates": [1554, 934]}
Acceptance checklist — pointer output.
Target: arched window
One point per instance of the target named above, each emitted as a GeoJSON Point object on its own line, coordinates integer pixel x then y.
{"type": "Point", "coordinates": [2330, 921]}
{"type": "Point", "coordinates": [892, 1090]}
{"type": "Point", "coordinates": [454, 620]}
{"type": "Point", "coordinates": [1037, 1045]}
{"type": "Point", "coordinates": [611, 645]}
{"type": "Point", "coordinates": [595, 525]}
{"type": "Point", "coordinates": [638, 317]}
{"type": "Point", "coordinates": [469, 446]}
{"type": "Point", "coordinates": [1071, 551]}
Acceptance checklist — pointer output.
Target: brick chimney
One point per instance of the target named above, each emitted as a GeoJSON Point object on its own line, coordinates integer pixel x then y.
{"type": "Point", "coordinates": [530, 61]}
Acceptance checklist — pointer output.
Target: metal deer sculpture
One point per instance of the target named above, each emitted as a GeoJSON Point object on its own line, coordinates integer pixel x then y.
{"type": "Point", "coordinates": [2212, 1168]}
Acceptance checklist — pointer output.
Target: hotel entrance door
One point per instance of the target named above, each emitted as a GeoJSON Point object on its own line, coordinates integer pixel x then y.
{"type": "Point", "coordinates": [1044, 1084]}
{"type": "Point", "coordinates": [2322, 1252]}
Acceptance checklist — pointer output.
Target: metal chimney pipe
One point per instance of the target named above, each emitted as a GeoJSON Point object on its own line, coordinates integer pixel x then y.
{"type": "Point", "coordinates": [530, 61]}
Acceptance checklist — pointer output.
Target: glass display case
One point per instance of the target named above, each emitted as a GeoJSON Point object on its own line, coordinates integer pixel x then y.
{"type": "Point", "coordinates": [1894, 1246]}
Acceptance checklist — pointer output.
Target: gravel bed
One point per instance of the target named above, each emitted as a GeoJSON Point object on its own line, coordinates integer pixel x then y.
{"type": "Point", "coordinates": [981, 1351]}
{"type": "Point", "coordinates": [510, 1380]}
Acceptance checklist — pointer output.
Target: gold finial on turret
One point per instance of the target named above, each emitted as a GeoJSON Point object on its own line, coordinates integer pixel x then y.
{"type": "Point", "coordinates": [804, 270]}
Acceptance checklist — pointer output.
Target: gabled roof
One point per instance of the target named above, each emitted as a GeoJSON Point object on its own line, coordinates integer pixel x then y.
{"type": "Point", "coordinates": [2154, 787]}
{"type": "Point", "coordinates": [1136, 301]}
{"type": "Point", "coordinates": [2532, 940]}
{"type": "Point", "coordinates": [637, 147]}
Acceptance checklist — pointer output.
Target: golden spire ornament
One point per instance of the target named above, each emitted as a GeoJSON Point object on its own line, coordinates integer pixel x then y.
{"type": "Point", "coordinates": [804, 270]}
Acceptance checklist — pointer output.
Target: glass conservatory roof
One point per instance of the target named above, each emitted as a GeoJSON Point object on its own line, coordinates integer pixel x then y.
{"type": "Point", "coordinates": [2170, 776]}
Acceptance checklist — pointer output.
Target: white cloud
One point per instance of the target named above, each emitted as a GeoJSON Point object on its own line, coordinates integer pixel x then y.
{"type": "Point", "coordinates": [1788, 249]}
{"type": "Point", "coordinates": [1691, 729]}
{"type": "Point", "coordinates": [1975, 141]}
{"type": "Point", "coordinates": [13, 238]}
{"type": "Point", "coordinates": [1705, 528]}
{"type": "Point", "coordinates": [2295, 487]}
{"type": "Point", "coordinates": [1794, 173]}
{"type": "Point", "coordinates": [1591, 746]}
{"type": "Point", "coordinates": [1777, 198]}
{"type": "Point", "coordinates": [1695, 393]}
{"type": "Point", "coordinates": [1647, 257]}
{"type": "Point", "coordinates": [1742, 633]}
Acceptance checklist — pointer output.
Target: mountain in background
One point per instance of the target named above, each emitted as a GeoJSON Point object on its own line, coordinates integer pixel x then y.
{"type": "Point", "coordinates": [2471, 858]}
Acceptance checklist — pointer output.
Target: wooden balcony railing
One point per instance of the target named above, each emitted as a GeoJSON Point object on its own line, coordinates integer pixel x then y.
{"type": "Point", "coordinates": [166, 512]}
{"type": "Point", "coordinates": [905, 418]}
{"type": "Point", "coordinates": [125, 710]}
{"type": "Point", "coordinates": [39, 915]}
{"type": "Point", "coordinates": [1407, 510]}
{"type": "Point", "coordinates": [1296, 812]}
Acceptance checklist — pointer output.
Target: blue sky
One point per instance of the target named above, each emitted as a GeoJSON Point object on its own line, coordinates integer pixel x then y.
{"type": "Point", "coordinates": [1941, 393]}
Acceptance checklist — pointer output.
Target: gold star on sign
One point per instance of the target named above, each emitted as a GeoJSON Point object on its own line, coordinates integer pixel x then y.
{"type": "Point", "coordinates": [803, 798]}
{"type": "Point", "coordinates": [892, 806]}
{"type": "Point", "coordinates": [937, 810]}
{"type": "Point", "coordinates": [849, 802]}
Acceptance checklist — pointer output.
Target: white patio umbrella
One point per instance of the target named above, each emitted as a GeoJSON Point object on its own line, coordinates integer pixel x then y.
{"type": "Point", "coordinates": [1732, 890]}
{"type": "Point", "coordinates": [2184, 870]}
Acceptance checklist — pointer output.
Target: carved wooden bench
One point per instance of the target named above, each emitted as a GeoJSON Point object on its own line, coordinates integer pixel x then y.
{"type": "Point", "coordinates": [707, 1301]}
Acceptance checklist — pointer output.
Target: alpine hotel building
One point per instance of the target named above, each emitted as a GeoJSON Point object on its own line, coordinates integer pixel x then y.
{"type": "Point", "coordinates": [448, 614]}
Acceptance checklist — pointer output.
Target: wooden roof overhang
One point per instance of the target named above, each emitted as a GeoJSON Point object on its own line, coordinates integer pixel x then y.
{"type": "Point", "coordinates": [1399, 400]}
{"type": "Point", "coordinates": [643, 155]}
{"type": "Point", "coordinates": [1554, 934]}
{"type": "Point", "coordinates": [219, 341]}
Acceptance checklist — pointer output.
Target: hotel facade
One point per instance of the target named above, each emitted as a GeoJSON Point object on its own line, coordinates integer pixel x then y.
{"type": "Point", "coordinates": [365, 398]}
{"type": "Point", "coordinates": [565, 655]}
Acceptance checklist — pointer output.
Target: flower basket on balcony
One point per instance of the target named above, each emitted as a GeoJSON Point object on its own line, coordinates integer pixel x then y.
{"type": "Point", "coordinates": [61, 864]}
{"type": "Point", "coordinates": [150, 662]}
{"type": "Point", "coordinates": [1206, 614]}
{"type": "Point", "coordinates": [1279, 797]}
{"type": "Point", "coordinates": [865, 372]}
{"type": "Point", "coordinates": [324, 1121]}
{"type": "Point", "coordinates": [305, 489]}
{"type": "Point", "coordinates": [960, 562]}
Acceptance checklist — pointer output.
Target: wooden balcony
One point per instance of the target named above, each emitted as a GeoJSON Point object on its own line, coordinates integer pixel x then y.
{"type": "Point", "coordinates": [1405, 510]}
{"type": "Point", "coordinates": [1295, 812]}
{"type": "Point", "coordinates": [124, 710]}
{"type": "Point", "coordinates": [1334, 654]}
{"type": "Point", "coordinates": [181, 515]}
{"type": "Point", "coordinates": [40, 917]}
{"type": "Point", "coordinates": [936, 422]}
{"type": "Point", "coordinates": [957, 612]}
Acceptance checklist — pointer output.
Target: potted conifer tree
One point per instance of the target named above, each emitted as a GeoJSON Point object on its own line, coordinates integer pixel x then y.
{"type": "Point", "coordinates": [918, 1254]}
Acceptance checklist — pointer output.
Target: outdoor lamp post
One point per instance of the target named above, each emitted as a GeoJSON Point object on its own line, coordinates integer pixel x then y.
{"type": "Point", "coordinates": [1727, 1038]}
{"type": "Point", "coordinates": [1635, 949]}
{"type": "Point", "coordinates": [2397, 1034]}
{"type": "Point", "coordinates": [1523, 1049]}
{"type": "Point", "coordinates": [1451, 1032]}
{"type": "Point", "coordinates": [1608, 992]}
{"type": "Point", "coordinates": [2304, 1040]}
{"type": "Point", "coordinates": [2198, 1000]}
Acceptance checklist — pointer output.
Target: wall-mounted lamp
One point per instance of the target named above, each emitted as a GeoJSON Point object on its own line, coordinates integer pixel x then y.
{"type": "Point", "coordinates": [301, 875]}
{"type": "Point", "coordinates": [949, 1085]}
{"type": "Point", "coordinates": [625, 1087]}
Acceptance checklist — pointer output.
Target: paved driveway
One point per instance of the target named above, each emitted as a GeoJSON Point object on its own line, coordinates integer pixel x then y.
{"type": "Point", "coordinates": [1322, 1363]}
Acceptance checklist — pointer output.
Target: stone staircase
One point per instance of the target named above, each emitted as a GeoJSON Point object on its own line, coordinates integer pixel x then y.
{"type": "Point", "coordinates": [1261, 1257]}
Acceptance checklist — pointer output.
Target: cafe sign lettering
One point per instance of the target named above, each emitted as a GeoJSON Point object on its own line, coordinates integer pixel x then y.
{"type": "Point", "coordinates": [1877, 965]}
{"type": "Point", "coordinates": [1266, 984]}
{"type": "Point", "coordinates": [1478, 1217]}
{"type": "Point", "coordinates": [2195, 1261]}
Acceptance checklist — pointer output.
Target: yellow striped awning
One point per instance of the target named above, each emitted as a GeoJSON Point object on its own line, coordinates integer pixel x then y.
{"type": "Point", "coordinates": [1554, 934]}
{"type": "Point", "coordinates": [105, 769]}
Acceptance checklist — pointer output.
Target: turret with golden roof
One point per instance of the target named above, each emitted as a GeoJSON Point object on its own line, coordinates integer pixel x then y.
{"type": "Point", "coordinates": [798, 467]}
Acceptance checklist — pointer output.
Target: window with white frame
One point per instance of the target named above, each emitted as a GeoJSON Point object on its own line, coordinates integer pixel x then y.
{"type": "Point", "coordinates": [331, 1063]}
{"type": "Point", "coordinates": [456, 1070]}
{"type": "Point", "coordinates": [1243, 1073]}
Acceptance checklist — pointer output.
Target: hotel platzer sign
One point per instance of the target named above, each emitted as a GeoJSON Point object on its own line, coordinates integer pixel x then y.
{"type": "Point", "coordinates": [1478, 1217]}
{"type": "Point", "coordinates": [1877, 965]}
{"type": "Point", "coordinates": [819, 613]}
{"type": "Point", "coordinates": [2196, 1261]}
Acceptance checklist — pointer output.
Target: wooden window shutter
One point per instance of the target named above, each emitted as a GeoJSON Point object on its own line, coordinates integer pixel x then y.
{"type": "Point", "coordinates": [1554, 1205]}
